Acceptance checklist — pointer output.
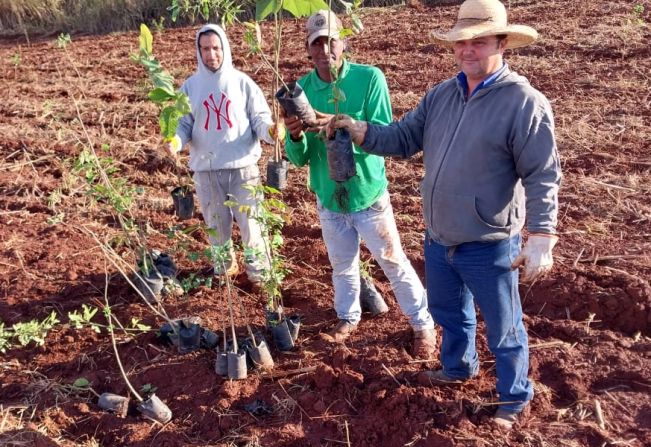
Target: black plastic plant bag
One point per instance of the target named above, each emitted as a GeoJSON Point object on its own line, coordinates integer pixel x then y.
{"type": "Point", "coordinates": [277, 174]}
{"type": "Point", "coordinates": [189, 337]}
{"type": "Point", "coordinates": [183, 202]}
{"type": "Point", "coordinates": [155, 409]}
{"type": "Point", "coordinates": [341, 162]}
{"type": "Point", "coordinates": [371, 300]}
{"type": "Point", "coordinates": [295, 103]}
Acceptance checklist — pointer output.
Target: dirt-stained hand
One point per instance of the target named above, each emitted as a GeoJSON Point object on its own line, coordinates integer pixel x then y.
{"type": "Point", "coordinates": [322, 120]}
{"type": "Point", "coordinates": [294, 126]}
{"type": "Point", "coordinates": [356, 128]}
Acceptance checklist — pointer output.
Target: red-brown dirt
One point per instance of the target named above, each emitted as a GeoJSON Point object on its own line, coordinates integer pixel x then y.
{"type": "Point", "coordinates": [589, 321]}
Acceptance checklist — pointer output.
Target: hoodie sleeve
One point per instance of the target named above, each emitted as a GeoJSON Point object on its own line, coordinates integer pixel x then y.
{"type": "Point", "coordinates": [184, 129]}
{"type": "Point", "coordinates": [537, 163]}
{"type": "Point", "coordinates": [399, 139]}
{"type": "Point", "coordinates": [258, 111]}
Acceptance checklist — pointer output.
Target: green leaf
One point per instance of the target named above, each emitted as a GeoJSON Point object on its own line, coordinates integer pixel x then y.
{"type": "Point", "coordinates": [161, 94]}
{"type": "Point", "coordinates": [76, 320]}
{"type": "Point", "coordinates": [264, 8]}
{"type": "Point", "coordinates": [182, 103]}
{"type": "Point", "coordinates": [175, 9]}
{"type": "Point", "coordinates": [146, 39]}
{"type": "Point", "coordinates": [81, 382]}
{"type": "Point", "coordinates": [169, 121]}
{"type": "Point", "coordinates": [151, 65]}
{"type": "Point", "coordinates": [205, 10]}
{"type": "Point", "coordinates": [303, 8]}
{"type": "Point", "coordinates": [346, 32]}
{"type": "Point", "coordinates": [162, 79]}
{"type": "Point", "coordinates": [338, 94]}
{"type": "Point", "coordinates": [136, 324]}
{"type": "Point", "coordinates": [148, 388]}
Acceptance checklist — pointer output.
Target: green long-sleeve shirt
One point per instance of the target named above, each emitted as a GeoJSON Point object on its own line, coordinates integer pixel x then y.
{"type": "Point", "coordinates": [367, 99]}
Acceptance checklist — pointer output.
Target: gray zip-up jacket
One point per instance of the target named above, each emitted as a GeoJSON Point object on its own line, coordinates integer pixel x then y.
{"type": "Point", "coordinates": [487, 159]}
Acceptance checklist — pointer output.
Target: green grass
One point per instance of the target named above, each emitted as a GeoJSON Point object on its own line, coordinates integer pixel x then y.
{"type": "Point", "coordinates": [33, 17]}
{"type": "Point", "coordinates": [90, 16]}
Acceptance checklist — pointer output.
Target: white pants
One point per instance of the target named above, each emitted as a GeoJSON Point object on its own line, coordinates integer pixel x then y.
{"type": "Point", "coordinates": [377, 227]}
{"type": "Point", "coordinates": [216, 187]}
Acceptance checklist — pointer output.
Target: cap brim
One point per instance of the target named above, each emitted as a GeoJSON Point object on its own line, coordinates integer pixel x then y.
{"type": "Point", "coordinates": [334, 34]}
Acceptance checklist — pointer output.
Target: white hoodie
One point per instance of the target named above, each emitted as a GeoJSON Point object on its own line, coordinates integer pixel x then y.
{"type": "Point", "coordinates": [229, 114]}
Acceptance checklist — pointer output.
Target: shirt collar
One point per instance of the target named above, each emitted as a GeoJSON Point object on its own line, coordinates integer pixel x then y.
{"type": "Point", "coordinates": [462, 80]}
{"type": "Point", "coordinates": [321, 84]}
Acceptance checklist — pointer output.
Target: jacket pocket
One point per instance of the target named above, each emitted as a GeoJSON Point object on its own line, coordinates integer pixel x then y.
{"type": "Point", "coordinates": [497, 220]}
{"type": "Point", "coordinates": [456, 219]}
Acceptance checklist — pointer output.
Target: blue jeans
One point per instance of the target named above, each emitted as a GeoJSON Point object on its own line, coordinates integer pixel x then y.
{"type": "Point", "coordinates": [461, 276]}
{"type": "Point", "coordinates": [377, 226]}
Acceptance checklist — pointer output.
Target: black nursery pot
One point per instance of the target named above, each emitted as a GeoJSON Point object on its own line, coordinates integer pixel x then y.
{"type": "Point", "coordinates": [277, 174]}
{"type": "Point", "coordinates": [282, 336]}
{"type": "Point", "coordinates": [164, 264]}
{"type": "Point", "coordinates": [371, 300]}
{"type": "Point", "coordinates": [273, 316]}
{"type": "Point", "coordinates": [155, 409]}
{"type": "Point", "coordinates": [294, 324]}
{"type": "Point", "coordinates": [341, 163]}
{"type": "Point", "coordinates": [237, 365]}
{"type": "Point", "coordinates": [151, 286]}
{"type": "Point", "coordinates": [295, 103]}
{"type": "Point", "coordinates": [113, 403]}
{"type": "Point", "coordinates": [189, 337]}
{"type": "Point", "coordinates": [221, 364]}
{"type": "Point", "coordinates": [169, 333]}
{"type": "Point", "coordinates": [258, 352]}
{"type": "Point", "coordinates": [209, 339]}
{"type": "Point", "coordinates": [183, 202]}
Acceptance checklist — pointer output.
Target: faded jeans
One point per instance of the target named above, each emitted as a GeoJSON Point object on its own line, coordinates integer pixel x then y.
{"type": "Point", "coordinates": [377, 227]}
{"type": "Point", "coordinates": [461, 276]}
{"type": "Point", "coordinates": [216, 187]}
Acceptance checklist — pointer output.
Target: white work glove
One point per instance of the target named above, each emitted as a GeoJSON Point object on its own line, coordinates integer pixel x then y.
{"type": "Point", "coordinates": [356, 128]}
{"type": "Point", "coordinates": [536, 256]}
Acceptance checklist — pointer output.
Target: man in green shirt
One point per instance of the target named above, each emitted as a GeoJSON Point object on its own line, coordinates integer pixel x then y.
{"type": "Point", "coordinates": [366, 213]}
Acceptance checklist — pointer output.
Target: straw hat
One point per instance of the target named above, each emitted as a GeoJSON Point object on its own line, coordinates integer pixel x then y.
{"type": "Point", "coordinates": [480, 18]}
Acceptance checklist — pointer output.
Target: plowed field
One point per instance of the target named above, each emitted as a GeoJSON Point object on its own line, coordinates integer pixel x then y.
{"type": "Point", "coordinates": [589, 321]}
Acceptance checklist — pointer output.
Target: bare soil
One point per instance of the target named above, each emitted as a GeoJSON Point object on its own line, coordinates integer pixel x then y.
{"type": "Point", "coordinates": [589, 321]}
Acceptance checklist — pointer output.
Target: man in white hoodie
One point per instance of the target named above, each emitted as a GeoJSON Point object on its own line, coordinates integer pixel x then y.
{"type": "Point", "coordinates": [229, 117]}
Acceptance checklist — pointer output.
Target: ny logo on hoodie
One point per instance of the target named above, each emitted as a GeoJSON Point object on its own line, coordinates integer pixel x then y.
{"type": "Point", "coordinates": [224, 104]}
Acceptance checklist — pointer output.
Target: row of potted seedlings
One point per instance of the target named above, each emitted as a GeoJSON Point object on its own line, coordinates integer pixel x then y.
{"type": "Point", "coordinates": [157, 276]}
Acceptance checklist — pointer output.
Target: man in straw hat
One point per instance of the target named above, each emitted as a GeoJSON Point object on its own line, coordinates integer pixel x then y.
{"type": "Point", "coordinates": [367, 214]}
{"type": "Point", "coordinates": [489, 152]}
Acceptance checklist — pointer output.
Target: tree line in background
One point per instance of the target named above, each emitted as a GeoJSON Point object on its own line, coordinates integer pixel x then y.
{"type": "Point", "coordinates": [37, 17]}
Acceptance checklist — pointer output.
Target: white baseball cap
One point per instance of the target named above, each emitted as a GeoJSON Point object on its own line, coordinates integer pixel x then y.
{"type": "Point", "coordinates": [323, 23]}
